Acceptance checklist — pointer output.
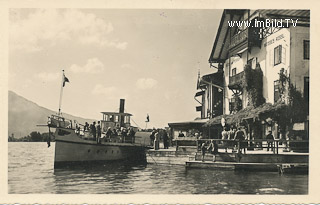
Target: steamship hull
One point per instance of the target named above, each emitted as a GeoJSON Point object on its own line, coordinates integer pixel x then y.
{"type": "Point", "coordinates": [72, 150]}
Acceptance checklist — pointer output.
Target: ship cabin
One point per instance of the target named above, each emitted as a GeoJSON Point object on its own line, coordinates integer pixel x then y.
{"type": "Point", "coordinates": [115, 120]}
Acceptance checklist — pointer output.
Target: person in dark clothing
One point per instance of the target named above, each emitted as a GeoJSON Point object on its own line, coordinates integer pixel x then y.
{"type": "Point", "coordinates": [203, 150]}
{"type": "Point", "coordinates": [240, 137]}
{"type": "Point", "coordinates": [270, 139]}
{"type": "Point", "coordinates": [109, 134]}
{"type": "Point", "coordinates": [131, 134]}
{"type": "Point", "coordinates": [152, 137]}
{"type": "Point", "coordinates": [98, 132]}
{"type": "Point", "coordinates": [165, 139]}
{"type": "Point", "coordinates": [181, 134]}
{"type": "Point", "coordinates": [93, 130]}
{"type": "Point", "coordinates": [86, 127]}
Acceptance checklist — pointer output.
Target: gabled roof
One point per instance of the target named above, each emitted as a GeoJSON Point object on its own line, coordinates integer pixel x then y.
{"type": "Point", "coordinates": [221, 44]}
{"type": "Point", "coordinates": [220, 48]}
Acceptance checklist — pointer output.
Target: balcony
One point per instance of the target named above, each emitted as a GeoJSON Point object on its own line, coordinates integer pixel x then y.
{"type": "Point", "coordinates": [245, 39]}
{"type": "Point", "coordinates": [235, 82]}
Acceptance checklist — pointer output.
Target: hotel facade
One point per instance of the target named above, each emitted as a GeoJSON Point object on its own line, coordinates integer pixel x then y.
{"type": "Point", "coordinates": [262, 55]}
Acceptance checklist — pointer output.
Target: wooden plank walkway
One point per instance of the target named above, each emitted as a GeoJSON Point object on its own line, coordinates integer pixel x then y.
{"type": "Point", "coordinates": [240, 166]}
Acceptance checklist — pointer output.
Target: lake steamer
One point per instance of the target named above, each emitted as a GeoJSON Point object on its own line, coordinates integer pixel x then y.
{"type": "Point", "coordinates": [75, 143]}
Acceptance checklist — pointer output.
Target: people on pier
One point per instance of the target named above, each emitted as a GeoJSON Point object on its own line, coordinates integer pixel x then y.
{"type": "Point", "coordinates": [86, 127]}
{"type": "Point", "coordinates": [152, 137]}
{"type": "Point", "coordinates": [165, 139]}
{"type": "Point", "coordinates": [270, 139]}
{"type": "Point", "coordinates": [231, 134]}
{"type": "Point", "coordinates": [224, 135]}
{"type": "Point", "coordinates": [240, 137]}
{"type": "Point", "coordinates": [156, 140]}
{"type": "Point", "coordinates": [203, 150]}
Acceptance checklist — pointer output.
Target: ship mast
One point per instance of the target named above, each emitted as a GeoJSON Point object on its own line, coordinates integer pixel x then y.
{"type": "Point", "coordinates": [61, 91]}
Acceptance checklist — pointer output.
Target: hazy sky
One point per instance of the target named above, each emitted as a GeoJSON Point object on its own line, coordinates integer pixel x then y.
{"type": "Point", "coordinates": [149, 57]}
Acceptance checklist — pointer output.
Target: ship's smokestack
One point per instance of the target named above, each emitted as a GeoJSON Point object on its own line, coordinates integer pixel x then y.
{"type": "Point", "coordinates": [121, 109]}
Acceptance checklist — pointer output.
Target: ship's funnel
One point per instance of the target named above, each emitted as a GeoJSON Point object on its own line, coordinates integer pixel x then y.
{"type": "Point", "coordinates": [121, 109]}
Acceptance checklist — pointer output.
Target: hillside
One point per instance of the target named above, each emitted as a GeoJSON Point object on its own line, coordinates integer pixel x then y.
{"type": "Point", "coordinates": [24, 116]}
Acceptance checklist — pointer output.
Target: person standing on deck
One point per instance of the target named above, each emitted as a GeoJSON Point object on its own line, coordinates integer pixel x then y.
{"type": "Point", "coordinates": [98, 132]}
{"type": "Point", "coordinates": [224, 134]}
{"type": "Point", "coordinates": [93, 130]}
{"type": "Point", "coordinates": [108, 134]}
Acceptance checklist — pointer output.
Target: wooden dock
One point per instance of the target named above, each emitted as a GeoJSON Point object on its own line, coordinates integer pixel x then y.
{"type": "Point", "coordinates": [237, 166]}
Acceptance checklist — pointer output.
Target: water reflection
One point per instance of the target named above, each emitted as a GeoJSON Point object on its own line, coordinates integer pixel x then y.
{"type": "Point", "coordinates": [30, 170]}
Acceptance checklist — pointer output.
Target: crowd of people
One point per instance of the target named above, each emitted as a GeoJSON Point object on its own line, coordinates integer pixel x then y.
{"type": "Point", "coordinates": [156, 136]}
{"type": "Point", "coordinates": [234, 138]}
{"type": "Point", "coordinates": [118, 134]}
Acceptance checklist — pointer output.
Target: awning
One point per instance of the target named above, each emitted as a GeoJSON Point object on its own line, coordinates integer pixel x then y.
{"type": "Point", "coordinates": [189, 124]}
{"type": "Point", "coordinates": [247, 113]}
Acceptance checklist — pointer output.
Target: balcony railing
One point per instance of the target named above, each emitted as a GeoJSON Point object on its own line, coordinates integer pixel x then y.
{"type": "Point", "coordinates": [246, 38]}
{"type": "Point", "coordinates": [236, 80]}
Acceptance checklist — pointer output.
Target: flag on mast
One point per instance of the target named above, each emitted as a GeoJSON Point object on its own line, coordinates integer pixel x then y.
{"type": "Point", "coordinates": [148, 119]}
{"type": "Point", "coordinates": [65, 79]}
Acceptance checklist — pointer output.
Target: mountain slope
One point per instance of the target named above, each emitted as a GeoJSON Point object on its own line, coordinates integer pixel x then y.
{"type": "Point", "coordinates": [24, 116]}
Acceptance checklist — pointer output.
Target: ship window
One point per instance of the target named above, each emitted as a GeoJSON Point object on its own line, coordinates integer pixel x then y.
{"type": "Point", "coordinates": [98, 151]}
{"type": "Point", "coordinates": [106, 151]}
{"type": "Point", "coordinates": [88, 150]}
{"type": "Point", "coordinates": [112, 151]}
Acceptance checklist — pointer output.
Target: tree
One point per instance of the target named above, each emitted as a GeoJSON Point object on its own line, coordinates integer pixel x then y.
{"type": "Point", "coordinates": [35, 137]}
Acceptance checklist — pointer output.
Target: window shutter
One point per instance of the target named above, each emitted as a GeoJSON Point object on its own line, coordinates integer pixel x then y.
{"type": "Point", "coordinates": [283, 55]}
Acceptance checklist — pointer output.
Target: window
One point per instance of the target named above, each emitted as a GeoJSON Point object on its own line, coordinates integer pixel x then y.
{"type": "Point", "coordinates": [234, 71]}
{"type": "Point", "coordinates": [276, 91]}
{"type": "Point", "coordinates": [277, 55]}
{"type": "Point", "coordinates": [306, 49]}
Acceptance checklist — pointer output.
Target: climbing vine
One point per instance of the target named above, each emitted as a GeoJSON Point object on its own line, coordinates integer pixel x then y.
{"type": "Point", "coordinates": [253, 83]}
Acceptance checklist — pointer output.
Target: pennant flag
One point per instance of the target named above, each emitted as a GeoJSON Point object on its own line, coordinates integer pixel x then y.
{"type": "Point", "coordinates": [148, 120]}
{"type": "Point", "coordinates": [65, 80]}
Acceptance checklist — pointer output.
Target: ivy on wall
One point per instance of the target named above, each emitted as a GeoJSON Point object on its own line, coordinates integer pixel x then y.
{"type": "Point", "coordinates": [253, 83]}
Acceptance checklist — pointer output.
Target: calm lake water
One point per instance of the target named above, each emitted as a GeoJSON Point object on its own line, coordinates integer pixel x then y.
{"type": "Point", "coordinates": [31, 172]}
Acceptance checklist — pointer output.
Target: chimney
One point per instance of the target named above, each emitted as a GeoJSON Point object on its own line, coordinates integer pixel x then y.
{"type": "Point", "coordinates": [121, 110]}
